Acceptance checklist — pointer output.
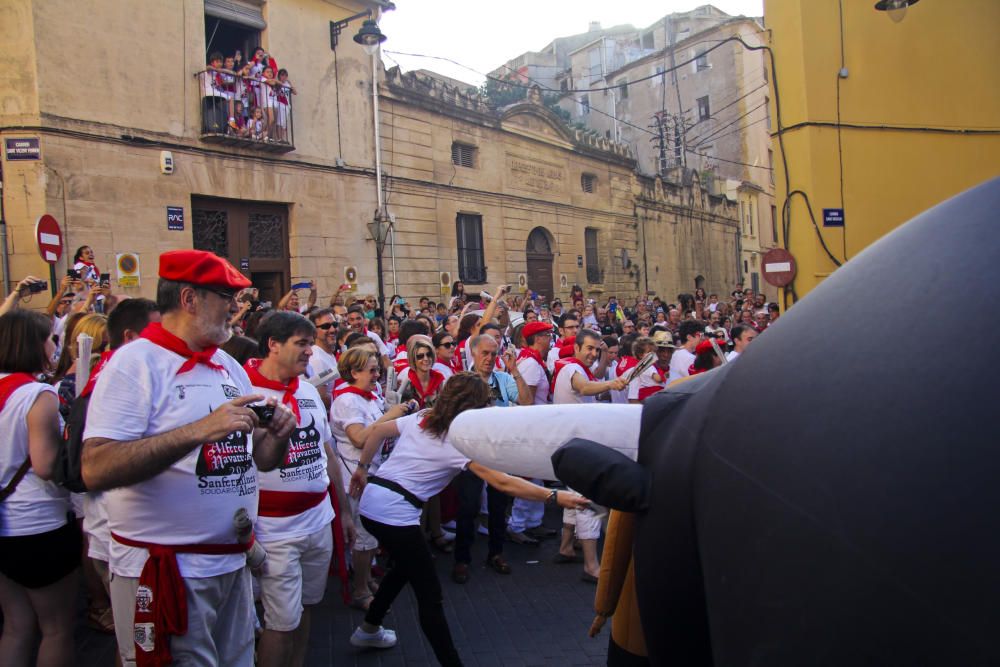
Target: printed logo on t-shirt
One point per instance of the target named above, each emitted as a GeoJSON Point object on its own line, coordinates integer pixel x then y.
{"type": "Point", "coordinates": [230, 391]}
{"type": "Point", "coordinates": [303, 453]}
{"type": "Point", "coordinates": [307, 404]}
{"type": "Point", "coordinates": [222, 466]}
{"type": "Point", "coordinates": [144, 637]}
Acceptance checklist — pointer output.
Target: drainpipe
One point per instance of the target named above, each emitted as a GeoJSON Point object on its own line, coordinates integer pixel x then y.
{"type": "Point", "coordinates": [3, 241]}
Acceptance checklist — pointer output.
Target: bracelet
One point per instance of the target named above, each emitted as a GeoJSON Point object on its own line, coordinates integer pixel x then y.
{"type": "Point", "coordinates": [553, 498]}
{"type": "Point", "coordinates": [364, 466]}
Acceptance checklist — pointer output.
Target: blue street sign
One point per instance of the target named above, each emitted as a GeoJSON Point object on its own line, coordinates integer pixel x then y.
{"type": "Point", "coordinates": [833, 217]}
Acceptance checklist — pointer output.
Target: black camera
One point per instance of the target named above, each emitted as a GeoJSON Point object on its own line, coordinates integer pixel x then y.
{"type": "Point", "coordinates": [73, 273]}
{"type": "Point", "coordinates": [35, 287]}
{"type": "Point", "coordinates": [265, 413]}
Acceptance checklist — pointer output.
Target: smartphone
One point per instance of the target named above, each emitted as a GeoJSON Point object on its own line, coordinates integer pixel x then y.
{"type": "Point", "coordinates": [73, 273]}
{"type": "Point", "coordinates": [301, 286]}
{"type": "Point", "coordinates": [105, 280]}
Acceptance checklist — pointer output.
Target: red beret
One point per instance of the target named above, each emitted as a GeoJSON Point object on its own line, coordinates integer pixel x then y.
{"type": "Point", "coordinates": [703, 347]}
{"type": "Point", "coordinates": [568, 349]}
{"type": "Point", "coordinates": [531, 328]}
{"type": "Point", "coordinates": [199, 267]}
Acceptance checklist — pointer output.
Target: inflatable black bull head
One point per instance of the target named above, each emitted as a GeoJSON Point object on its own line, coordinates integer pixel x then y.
{"type": "Point", "coordinates": [833, 497]}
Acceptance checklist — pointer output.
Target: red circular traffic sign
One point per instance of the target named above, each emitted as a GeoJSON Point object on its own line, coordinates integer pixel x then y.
{"type": "Point", "coordinates": [49, 238]}
{"type": "Point", "coordinates": [779, 267]}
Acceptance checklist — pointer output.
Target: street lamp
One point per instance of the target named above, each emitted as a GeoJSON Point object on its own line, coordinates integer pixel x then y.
{"type": "Point", "coordinates": [896, 9]}
{"type": "Point", "coordinates": [368, 35]}
{"type": "Point", "coordinates": [378, 229]}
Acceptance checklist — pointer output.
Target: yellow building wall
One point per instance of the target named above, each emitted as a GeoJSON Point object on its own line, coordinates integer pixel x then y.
{"type": "Point", "coordinates": [937, 68]}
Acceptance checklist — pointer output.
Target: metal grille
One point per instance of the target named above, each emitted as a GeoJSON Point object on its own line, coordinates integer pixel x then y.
{"type": "Point", "coordinates": [266, 235]}
{"type": "Point", "coordinates": [469, 234]}
{"type": "Point", "coordinates": [210, 230]}
{"type": "Point", "coordinates": [587, 182]}
{"type": "Point", "coordinates": [463, 155]}
{"type": "Point", "coordinates": [593, 263]}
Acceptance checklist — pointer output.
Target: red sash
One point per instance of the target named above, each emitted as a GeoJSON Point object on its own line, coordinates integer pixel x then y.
{"type": "Point", "coordinates": [563, 363]}
{"type": "Point", "coordinates": [435, 382]}
{"type": "Point", "coordinates": [661, 377]}
{"type": "Point", "coordinates": [252, 367]}
{"type": "Point", "coordinates": [625, 364]}
{"type": "Point", "coordinates": [98, 367]}
{"type": "Point", "coordinates": [288, 503]}
{"type": "Point", "coordinates": [162, 611]}
{"type": "Point", "coordinates": [155, 333]}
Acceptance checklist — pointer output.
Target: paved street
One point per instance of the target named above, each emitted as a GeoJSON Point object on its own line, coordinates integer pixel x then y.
{"type": "Point", "coordinates": [538, 615]}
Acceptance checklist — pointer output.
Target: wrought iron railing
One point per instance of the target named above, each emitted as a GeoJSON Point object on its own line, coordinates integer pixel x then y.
{"type": "Point", "coordinates": [246, 111]}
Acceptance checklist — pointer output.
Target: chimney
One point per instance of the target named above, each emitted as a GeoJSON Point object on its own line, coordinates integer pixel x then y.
{"type": "Point", "coordinates": [595, 26]}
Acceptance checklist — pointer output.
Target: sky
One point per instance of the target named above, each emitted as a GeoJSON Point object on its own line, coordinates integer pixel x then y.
{"type": "Point", "coordinates": [483, 35]}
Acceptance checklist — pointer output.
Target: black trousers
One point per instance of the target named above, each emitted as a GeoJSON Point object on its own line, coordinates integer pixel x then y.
{"type": "Point", "coordinates": [470, 489]}
{"type": "Point", "coordinates": [413, 564]}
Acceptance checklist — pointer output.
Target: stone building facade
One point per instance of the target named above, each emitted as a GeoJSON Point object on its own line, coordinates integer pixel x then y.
{"type": "Point", "coordinates": [109, 94]}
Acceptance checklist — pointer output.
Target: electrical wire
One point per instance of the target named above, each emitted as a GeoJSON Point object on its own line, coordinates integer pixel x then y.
{"type": "Point", "coordinates": [709, 135]}
{"type": "Point", "coordinates": [840, 145]}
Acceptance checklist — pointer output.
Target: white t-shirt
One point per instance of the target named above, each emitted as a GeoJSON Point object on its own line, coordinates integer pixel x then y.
{"type": "Point", "coordinates": [647, 384]}
{"type": "Point", "coordinates": [36, 506]}
{"type": "Point", "coordinates": [730, 356]}
{"type": "Point", "coordinates": [444, 370]}
{"type": "Point", "coordinates": [420, 463]}
{"type": "Point", "coordinates": [382, 349]}
{"type": "Point", "coordinates": [563, 392]}
{"type": "Point", "coordinates": [534, 376]}
{"type": "Point", "coordinates": [139, 394]}
{"type": "Point", "coordinates": [322, 361]}
{"type": "Point", "coordinates": [679, 364]}
{"type": "Point", "coordinates": [350, 409]}
{"type": "Point", "coordinates": [552, 358]}
{"type": "Point", "coordinates": [95, 525]}
{"type": "Point", "coordinates": [302, 471]}
{"type": "Point", "coordinates": [617, 395]}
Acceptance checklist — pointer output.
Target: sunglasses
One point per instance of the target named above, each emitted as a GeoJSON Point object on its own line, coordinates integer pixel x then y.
{"type": "Point", "coordinates": [325, 327]}
{"type": "Point", "coordinates": [449, 344]}
{"type": "Point", "coordinates": [222, 294]}
{"type": "Point", "coordinates": [423, 355]}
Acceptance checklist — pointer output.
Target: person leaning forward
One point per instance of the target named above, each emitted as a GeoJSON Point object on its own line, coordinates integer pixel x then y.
{"type": "Point", "coordinates": [170, 431]}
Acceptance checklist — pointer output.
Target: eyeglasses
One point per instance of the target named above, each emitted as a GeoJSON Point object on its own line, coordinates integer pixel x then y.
{"type": "Point", "coordinates": [423, 355]}
{"type": "Point", "coordinates": [222, 294]}
{"type": "Point", "coordinates": [448, 344]}
{"type": "Point", "coordinates": [326, 326]}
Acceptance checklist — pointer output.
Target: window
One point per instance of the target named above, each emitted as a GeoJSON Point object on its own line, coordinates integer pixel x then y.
{"type": "Point", "coordinates": [623, 89]}
{"type": "Point", "coordinates": [658, 71]}
{"type": "Point", "coordinates": [647, 40]}
{"type": "Point", "coordinates": [701, 62]}
{"type": "Point", "coordinates": [770, 165]}
{"type": "Point", "coordinates": [588, 182]}
{"type": "Point", "coordinates": [593, 264]}
{"type": "Point", "coordinates": [463, 155]}
{"type": "Point", "coordinates": [469, 235]}
{"type": "Point", "coordinates": [767, 112]}
{"type": "Point", "coordinates": [585, 105]}
{"type": "Point", "coordinates": [704, 112]}
{"type": "Point", "coordinates": [774, 222]}
{"type": "Point", "coordinates": [564, 84]}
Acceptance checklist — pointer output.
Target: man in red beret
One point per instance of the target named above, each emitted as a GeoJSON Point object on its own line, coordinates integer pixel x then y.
{"type": "Point", "coordinates": [525, 523]}
{"type": "Point", "coordinates": [170, 430]}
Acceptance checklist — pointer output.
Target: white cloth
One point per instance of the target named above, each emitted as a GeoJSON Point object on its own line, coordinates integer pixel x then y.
{"type": "Point", "coordinates": [650, 378]}
{"type": "Point", "coordinates": [95, 525]}
{"type": "Point", "coordinates": [730, 356]}
{"type": "Point", "coordinates": [421, 463]}
{"type": "Point", "coordinates": [587, 523]}
{"type": "Point", "coordinates": [139, 394]}
{"type": "Point", "coordinates": [36, 506]}
{"type": "Point", "coordinates": [679, 364]}
{"type": "Point", "coordinates": [563, 393]}
{"type": "Point", "coordinates": [322, 361]}
{"type": "Point", "coordinates": [302, 471]}
{"type": "Point", "coordinates": [348, 409]}
{"type": "Point", "coordinates": [534, 376]}
{"type": "Point", "coordinates": [294, 575]}
{"type": "Point", "coordinates": [619, 396]}
{"type": "Point", "coordinates": [444, 370]}
{"type": "Point", "coordinates": [552, 358]}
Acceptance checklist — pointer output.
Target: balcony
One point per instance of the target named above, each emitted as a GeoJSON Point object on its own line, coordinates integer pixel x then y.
{"type": "Point", "coordinates": [246, 112]}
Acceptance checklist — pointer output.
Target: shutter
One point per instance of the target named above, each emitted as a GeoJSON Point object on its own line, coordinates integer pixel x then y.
{"type": "Point", "coordinates": [244, 12]}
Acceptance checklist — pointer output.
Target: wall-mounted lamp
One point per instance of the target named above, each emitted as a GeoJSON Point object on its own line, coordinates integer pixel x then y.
{"type": "Point", "coordinates": [896, 9]}
{"type": "Point", "coordinates": [369, 36]}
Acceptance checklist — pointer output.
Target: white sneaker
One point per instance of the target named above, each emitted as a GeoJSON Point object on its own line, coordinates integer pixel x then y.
{"type": "Point", "coordinates": [382, 638]}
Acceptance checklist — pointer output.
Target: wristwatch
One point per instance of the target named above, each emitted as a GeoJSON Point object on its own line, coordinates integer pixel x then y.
{"type": "Point", "coordinates": [364, 466]}
{"type": "Point", "coordinates": [553, 498]}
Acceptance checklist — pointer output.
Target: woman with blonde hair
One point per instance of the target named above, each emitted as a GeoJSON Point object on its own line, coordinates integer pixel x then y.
{"type": "Point", "coordinates": [421, 382]}
{"type": "Point", "coordinates": [64, 379]}
{"type": "Point", "coordinates": [355, 411]}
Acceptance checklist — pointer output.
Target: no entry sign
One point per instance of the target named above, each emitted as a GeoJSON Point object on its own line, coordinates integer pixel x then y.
{"type": "Point", "coordinates": [779, 267]}
{"type": "Point", "coordinates": [49, 238]}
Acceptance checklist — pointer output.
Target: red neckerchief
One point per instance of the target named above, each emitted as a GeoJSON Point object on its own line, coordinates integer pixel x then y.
{"type": "Point", "coordinates": [435, 382]}
{"type": "Point", "coordinates": [98, 367]}
{"type": "Point", "coordinates": [456, 363]}
{"type": "Point", "coordinates": [531, 353]}
{"type": "Point", "coordinates": [661, 373]}
{"type": "Point", "coordinates": [93, 267]}
{"type": "Point", "coordinates": [155, 333]}
{"type": "Point", "coordinates": [625, 364]}
{"type": "Point", "coordinates": [252, 367]}
{"type": "Point", "coordinates": [563, 363]}
{"type": "Point", "coordinates": [12, 383]}
{"type": "Point", "coordinates": [693, 371]}
{"type": "Point", "coordinates": [392, 338]}
{"type": "Point", "coordinates": [349, 389]}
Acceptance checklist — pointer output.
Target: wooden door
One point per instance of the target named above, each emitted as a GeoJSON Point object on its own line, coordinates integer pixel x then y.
{"type": "Point", "coordinates": [539, 260]}
{"type": "Point", "coordinates": [253, 236]}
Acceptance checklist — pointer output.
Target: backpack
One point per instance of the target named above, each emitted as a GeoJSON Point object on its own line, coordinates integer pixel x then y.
{"type": "Point", "coordinates": [68, 471]}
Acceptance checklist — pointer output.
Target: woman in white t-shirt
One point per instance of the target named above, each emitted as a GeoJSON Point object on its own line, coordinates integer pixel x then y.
{"type": "Point", "coordinates": [423, 462]}
{"type": "Point", "coordinates": [356, 409]}
{"type": "Point", "coordinates": [39, 549]}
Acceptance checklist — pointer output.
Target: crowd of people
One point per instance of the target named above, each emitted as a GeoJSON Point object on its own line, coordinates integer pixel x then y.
{"type": "Point", "coordinates": [324, 427]}
{"type": "Point", "coordinates": [254, 96]}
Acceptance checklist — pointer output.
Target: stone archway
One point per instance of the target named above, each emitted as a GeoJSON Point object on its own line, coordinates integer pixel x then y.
{"type": "Point", "coordinates": [538, 252]}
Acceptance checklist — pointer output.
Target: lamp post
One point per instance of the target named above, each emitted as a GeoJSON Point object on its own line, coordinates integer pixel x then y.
{"type": "Point", "coordinates": [896, 9]}
{"type": "Point", "coordinates": [378, 229]}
